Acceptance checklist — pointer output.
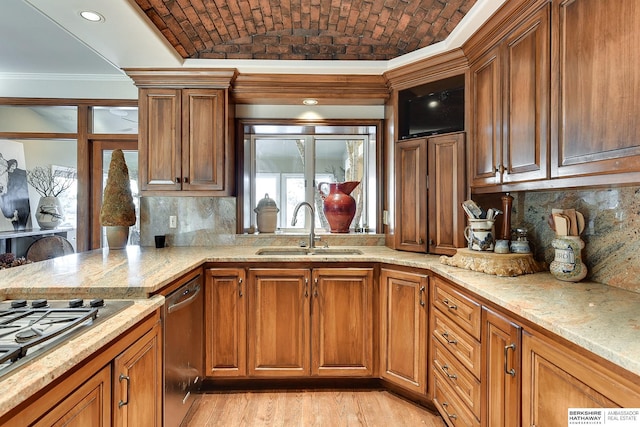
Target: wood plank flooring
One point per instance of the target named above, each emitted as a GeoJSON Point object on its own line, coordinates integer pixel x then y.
{"type": "Point", "coordinates": [370, 408]}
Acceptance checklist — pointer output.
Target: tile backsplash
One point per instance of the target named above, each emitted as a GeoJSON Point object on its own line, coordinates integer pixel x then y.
{"type": "Point", "coordinates": [611, 234]}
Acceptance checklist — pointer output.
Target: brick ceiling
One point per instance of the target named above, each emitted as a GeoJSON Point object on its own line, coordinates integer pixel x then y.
{"type": "Point", "coordinates": [303, 29]}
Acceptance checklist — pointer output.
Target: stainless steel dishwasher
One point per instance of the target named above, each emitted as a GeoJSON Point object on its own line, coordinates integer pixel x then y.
{"type": "Point", "coordinates": [183, 349]}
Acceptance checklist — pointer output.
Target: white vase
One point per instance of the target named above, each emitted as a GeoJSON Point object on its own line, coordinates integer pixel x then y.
{"type": "Point", "coordinates": [117, 236]}
{"type": "Point", "coordinates": [49, 213]}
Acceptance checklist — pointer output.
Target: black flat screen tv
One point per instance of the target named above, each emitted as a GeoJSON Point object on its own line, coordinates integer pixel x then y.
{"type": "Point", "coordinates": [431, 109]}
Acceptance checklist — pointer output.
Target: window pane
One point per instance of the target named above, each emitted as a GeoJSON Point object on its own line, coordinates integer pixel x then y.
{"type": "Point", "coordinates": [276, 159]}
{"type": "Point", "coordinates": [115, 120]}
{"type": "Point", "coordinates": [49, 119]}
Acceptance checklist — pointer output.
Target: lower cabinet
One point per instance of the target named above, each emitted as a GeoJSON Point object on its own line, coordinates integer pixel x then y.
{"type": "Point", "coordinates": [501, 353]}
{"type": "Point", "coordinates": [225, 322]}
{"type": "Point", "coordinates": [310, 322]}
{"type": "Point", "coordinates": [137, 380]}
{"type": "Point", "coordinates": [120, 385]}
{"type": "Point", "coordinates": [456, 356]}
{"type": "Point", "coordinates": [403, 328]}
{"type": "Point", "coordinates": [89, 405]}
{"type": "Point", "coordinates": [342, 318]}
{"type": "Point", "coordinates": [279, 322]}
{"type": "Point", "coordinates": [556, 378]}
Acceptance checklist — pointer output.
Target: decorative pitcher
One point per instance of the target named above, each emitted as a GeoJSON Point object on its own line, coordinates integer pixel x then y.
{"type": "Point", "coordinates": [338, 206]}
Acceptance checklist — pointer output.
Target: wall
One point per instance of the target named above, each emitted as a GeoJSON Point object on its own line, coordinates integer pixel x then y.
{"type": "Point", "coordinates": [611, 235]}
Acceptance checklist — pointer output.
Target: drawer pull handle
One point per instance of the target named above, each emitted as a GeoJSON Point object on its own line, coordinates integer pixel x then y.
{"type": "Point", "coordinates": [240, 294]}
{"type": "Point", "coordinates": [422, 289]}
{"type": "Point", "coordinates": [445, 368]}
{"type": "Point", "coordinates": [445, 335]}
{"type": "Point", "coordinates": [444, 408]}
{"type": "Point", "coordinates": [449, 305]}
{"type": "Point", "coordinates": [508, 371]}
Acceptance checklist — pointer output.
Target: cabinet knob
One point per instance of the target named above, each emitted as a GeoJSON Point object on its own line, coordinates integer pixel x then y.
{"type": "Point", "coordinates": [185, 180]}
{"type": "Point", "coordinates": [177, 180]}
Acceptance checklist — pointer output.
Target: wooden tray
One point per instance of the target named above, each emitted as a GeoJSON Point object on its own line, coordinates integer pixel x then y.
{"type": "Point", "coordinates": [492, 263]}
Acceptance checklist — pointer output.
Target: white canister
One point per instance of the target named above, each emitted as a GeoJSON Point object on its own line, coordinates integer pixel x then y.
{"type": "Point", "coordinates": [267, 215]}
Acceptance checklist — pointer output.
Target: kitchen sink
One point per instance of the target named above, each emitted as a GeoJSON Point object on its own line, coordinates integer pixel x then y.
{"type": "Point", "coordinates": [289, 251]}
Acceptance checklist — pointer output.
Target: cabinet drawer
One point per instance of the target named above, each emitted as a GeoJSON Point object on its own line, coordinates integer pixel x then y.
{"type": "Point", "coordinates": [459, 378]}
{"type": "Point", "coordinates": [462, 310]}
{"type": "Point", "coordinates": [463, 346]}
{"type": "Point", "coordinates": [454, 412]}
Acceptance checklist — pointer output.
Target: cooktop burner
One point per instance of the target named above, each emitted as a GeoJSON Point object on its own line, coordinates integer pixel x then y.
{"type": "Point", "coordinates": [28, 329]}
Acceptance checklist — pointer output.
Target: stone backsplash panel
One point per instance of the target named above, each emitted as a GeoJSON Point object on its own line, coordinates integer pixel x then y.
{"type": "Point", "coordinates": [611, 235]}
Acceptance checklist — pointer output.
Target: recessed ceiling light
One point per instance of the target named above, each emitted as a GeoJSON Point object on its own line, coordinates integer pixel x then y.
{"type": "Point", "coordinates": [92, 16]}
{"type": "Point", "coordinates": [310, 101]}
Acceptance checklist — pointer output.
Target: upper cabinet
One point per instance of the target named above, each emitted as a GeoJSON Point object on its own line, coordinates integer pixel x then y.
{"type": "Point", "coordinates": [595, 95]}
{"type": "Point", "coordinates": [552, 92]}
{"type": "Point", "coordinates": [186, 139]}
{"type": "Point", "coordinates": [510, 106]}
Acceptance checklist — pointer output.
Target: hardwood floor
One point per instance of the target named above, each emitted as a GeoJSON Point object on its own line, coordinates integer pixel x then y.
{"type": "Point", "coordinates": [308, 408]}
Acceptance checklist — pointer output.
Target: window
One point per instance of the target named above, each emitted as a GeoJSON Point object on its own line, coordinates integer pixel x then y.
{"type": "Point", "coordinates": [288, 163]}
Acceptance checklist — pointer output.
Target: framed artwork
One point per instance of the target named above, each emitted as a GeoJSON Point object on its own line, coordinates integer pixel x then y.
{"type": "Point", "coordinates": [14, 192]}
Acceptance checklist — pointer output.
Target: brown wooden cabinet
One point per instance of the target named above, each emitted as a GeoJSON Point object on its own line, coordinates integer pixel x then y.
{"type": "Point", "coordinates": [502, 373]}
{"type": "Point", "coordinates": [596, 92]}
{"type": "Point", "coordinates": [342, 318]}
{"type": "Point", "coordinates": [183, 139]}
{"type": "Point", "coordinates": [137, 380]}
{"type": "Point", "coordinates": [279, 322]}
{"type": "Point", "coordinates": [509, 93]}
{"type": "Point", "coordinates": [185, 130]}
{"type": "Point", "coordinates": [430, 186]}
{"type": "Point", "coordinates": [556, 378]}
{"type": "Point", "coordinates": [411, 195]}
{"type": "Point", "coordinates": [447, 186]}
{"type": "Point", "coordinates": [456, 358]}
{"type": "Point", "coordinates": [225, 322]}
{"type": "Point", "coordinates": [299, 327]}
{"type": "Point", "coordinates": [403, 328]}
{"type": "Point", "coordinates": [89, 405]}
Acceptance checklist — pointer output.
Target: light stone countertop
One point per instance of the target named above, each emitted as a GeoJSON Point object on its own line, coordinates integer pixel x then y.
{"type": "Point", "coordinates": [600, 318]}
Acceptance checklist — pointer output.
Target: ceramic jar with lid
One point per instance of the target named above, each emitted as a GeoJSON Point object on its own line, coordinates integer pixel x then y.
{"type": "Point", "coordinates": [267, 215]}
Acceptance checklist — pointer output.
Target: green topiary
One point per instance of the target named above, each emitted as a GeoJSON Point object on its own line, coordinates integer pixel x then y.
{"type": "Point", "coordinates": [117, 205]}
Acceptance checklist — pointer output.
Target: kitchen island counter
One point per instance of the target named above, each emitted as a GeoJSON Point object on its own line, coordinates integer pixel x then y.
{"type": "Point", "coordinates": [597, 317]}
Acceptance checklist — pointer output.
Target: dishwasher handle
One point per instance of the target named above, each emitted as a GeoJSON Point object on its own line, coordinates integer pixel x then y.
{"type": "Point", "coordinates": [182, 298]}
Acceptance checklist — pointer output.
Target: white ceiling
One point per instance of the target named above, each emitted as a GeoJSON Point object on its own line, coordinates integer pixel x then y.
{"type": "Point", "coordinates": [45, 42]}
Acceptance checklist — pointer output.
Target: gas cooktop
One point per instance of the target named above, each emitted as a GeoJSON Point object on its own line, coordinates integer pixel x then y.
{"type": "Point", "coordinates": [31, 328]}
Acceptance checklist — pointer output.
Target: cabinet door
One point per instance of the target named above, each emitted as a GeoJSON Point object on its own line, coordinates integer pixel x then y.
{"type": "Point", "coordinates": [526, 98]}
{"type": "Point", "coordinates": [160, 148]}
{"type": "Point", "coordinates": [411, 195]}
{"type": "Point", "coordinates": [486, 120]}
{"type": "Point", "coordinates": [203, 136]}
{"type": "Point", "coordinates": [342, 322]}
{"type": "Point", "coordinates": [403, 329]}
{"type": "Point", "coordinates": [556, 378]}
{"type": "Point", "coordinates": [501, 351]}
{"type": "Point", "coordinates": [137, 379]}
{"type": "Point", "coordinates": [595, 95]}
{"type": "Point", "coordinates": [89, 405]}
{"type": "Point", "coordinates": [225, 322]}
{"type": "Point", "coordinates": [279, 322]}
{"type": "Point", "coordinates": [446, 193]}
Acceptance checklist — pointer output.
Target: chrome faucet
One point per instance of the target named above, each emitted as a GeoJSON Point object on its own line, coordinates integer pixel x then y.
{"type": "Point", "coordinates": [312, 234]}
